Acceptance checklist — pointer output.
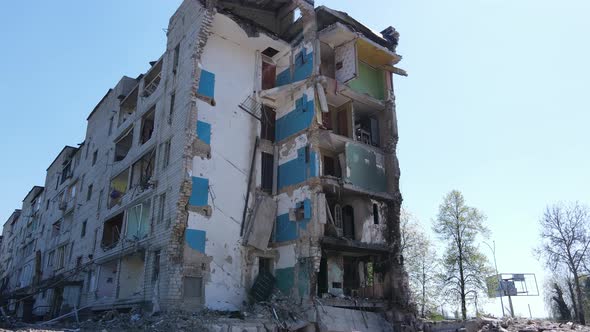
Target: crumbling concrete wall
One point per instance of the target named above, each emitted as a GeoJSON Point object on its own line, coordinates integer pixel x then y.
{"type": "Point", "coordinates": [213, 242]}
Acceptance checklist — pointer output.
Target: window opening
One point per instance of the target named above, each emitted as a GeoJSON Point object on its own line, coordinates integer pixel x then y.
{"type": "Point", "coordinates": [267, 172]}
{"type": "Point", "coordinates": [123, 144]}
{"type": "Point", "coordinates": [112, 231]}
{"type": "Point", "coordinates": [375, 214]}
{"type": "Point", "coordinates": [147, 125]}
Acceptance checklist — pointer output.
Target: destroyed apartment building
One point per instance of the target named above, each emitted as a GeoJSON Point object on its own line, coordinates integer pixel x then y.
{"type": "Point", "coordinates": [257, 154]}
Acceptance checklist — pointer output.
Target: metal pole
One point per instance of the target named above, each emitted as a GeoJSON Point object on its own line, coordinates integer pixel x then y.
{"type": "Point", "coordinates": [498, 275]}
{"type": "Point", "coordinates": [530, 314]}
{"type": "Point", "coordinates": [511, 307]}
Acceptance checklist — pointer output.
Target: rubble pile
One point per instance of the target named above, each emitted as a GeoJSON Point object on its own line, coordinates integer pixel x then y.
{"type": "Point", "coordinates": [115, 321]}
{"type": "Point", "coordinates": [277, 313]}
{"type": "Point", "coordinates": [529, 325]}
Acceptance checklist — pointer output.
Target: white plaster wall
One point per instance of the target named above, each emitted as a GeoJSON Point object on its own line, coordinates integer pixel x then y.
{"type": "Point", "coordinates": [287, 257]}
{"type": "Point", "coordinates": [374, 233]}
{"type": "Point", "coordinates": [365, 228]}
{"type": "Point", "coordinates": [231, 56]}
{"type": "Point", "coordinates": [286, 201]}
{"type": "Point", "coordinates": [288, 151]}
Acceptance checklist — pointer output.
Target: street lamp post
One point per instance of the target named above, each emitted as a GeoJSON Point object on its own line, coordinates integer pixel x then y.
{"type": "Point", "coordinates": [497, 274]}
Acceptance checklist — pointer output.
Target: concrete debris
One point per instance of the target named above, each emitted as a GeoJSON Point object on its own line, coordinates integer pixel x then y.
{"type": "Point", "coordinates": [279, 315]}
{"type": "Point", "coordinates": [528, 325]}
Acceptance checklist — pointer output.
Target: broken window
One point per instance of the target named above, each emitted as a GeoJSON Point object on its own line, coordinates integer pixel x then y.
{"type": "Point", "coordinates": [50, 258]}
{"type": "Point", "coordinates": [156, 266]}
{"type": "Point", "coordinates": [128, 105]}
{"type": "Point", "coordinates": [268, 123]}
{"type": "Point", "coordinates": [68, 220]}
{"type": "Point", "coordinates": [161, 207]}
{"type": "Point", "coordinates": [55, 230]}
{"type": "Point", "coordinates": [348, 222]}
{"type": "Point", "coordinates": [143, 171]}
{"type": "Point", "coordinates": [367, 130]}
{"type": "Point", "coordinates": [66, 172]}
{"type": "Point", "coordinates": [267, 171]}
{"type": "Point", "coordinates": [330, 166]}
{"type": "Point", "coordinates": [338, 216]}
{"type": "Point", "coordinates": [83, 231]}
{"type": "Point", "coordinates": [176, 58]}
{"type": "Point", "coordinates": [70, 194]}
{"type": "Point", "coordinates": [375, 214]}
{"type": "Point", "coordinates": [123, 144]}
{"type": "Point", "coordinates": [269, 74]}
{"type": "Point", "coordinates": [171, 110]}
{"type": "Point", "coordinates": [89, 193]}
{"type": "Point", "coordinates": [118, 187]}
{"type": "Point", "coordinates": [152, 79]}
{"type": "Point", "coordinates": [301, 211]}
{"type": "Point", "coordinates": [61, 257]}
{"type": "Point", "coordinates": [165, 154]}
{"type": "Point", "coordinates": [147, 125]}
{"type": "Point", "coordinates": [343, 121]}
{"type": "Point", "coordinates": [264, 265]}
{"type": "Point", "coordinates": [351, 276]}
{"type": "Point", "coordinates": [100, 194]}
{"type": "Point", "coordinates": [112, 231]}
{"type": "Point", "coordinates": [138, 221]}
{"type": "Point", "coordinates": [111, 120]}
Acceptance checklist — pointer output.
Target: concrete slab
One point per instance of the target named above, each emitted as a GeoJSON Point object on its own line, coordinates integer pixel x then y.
{"type": "Point", "coordinates": [331, 319]}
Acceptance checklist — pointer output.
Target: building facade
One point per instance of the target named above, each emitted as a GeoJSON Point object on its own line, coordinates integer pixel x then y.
{"type": "Point", "coordinates": [257, 153]}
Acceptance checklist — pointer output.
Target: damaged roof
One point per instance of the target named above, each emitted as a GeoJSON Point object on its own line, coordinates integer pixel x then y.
{"type": "Point", "coordinates": [267, 5]}
{"type": "Point", "coordinates": [34, 192]}
{"type": "Point", "coordinates": [327, 16]}
{"type": "Point", "coordinates": [66, 148]}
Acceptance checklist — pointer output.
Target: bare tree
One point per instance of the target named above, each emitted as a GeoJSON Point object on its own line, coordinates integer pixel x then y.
{"type": "Point", "coordinates": [421, 263]}
{"type": "Point", "coordinates": [557, 298]}
{"type": "Point", "coordinates": [565, 240]}
{"type": "Point", "coordinates": [464, 267]}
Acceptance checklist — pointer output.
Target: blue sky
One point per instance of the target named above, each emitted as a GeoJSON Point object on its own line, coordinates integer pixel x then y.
{"type": "Point", "coordinates": [495, 105]}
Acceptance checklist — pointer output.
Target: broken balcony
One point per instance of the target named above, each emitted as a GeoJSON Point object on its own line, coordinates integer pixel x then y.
{"type": "Point", "coordinates": [119, 186]}
{"type": "Point", "coordinates": [355, 218]}
{"type": "Point", "coordinates": [142, 171]}
{"type": "Point", "coordinates": [147, 125]}
{"type": "Point", "coordinates": [350, 166]}
{"type": "Point", "coordinates": [353, 278]}
{"type": "Point", "coordinates": [354, 121]}
{"type": "Point", "coordinates": [123, 144]}
{"type": "Point", "coordinates": [138, 221]}
{"type": "Point", "coordinates": [359, 65]}
{"type": "Point", "coordinates": [152, 79]}
{"type": "Point", "coordinates": [111, 232]}
{"type": "Point", "coordinates": [128, 105]}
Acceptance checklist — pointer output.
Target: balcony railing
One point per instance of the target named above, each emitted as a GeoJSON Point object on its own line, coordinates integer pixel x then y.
{"type": "Point", "coordinates": [152, 86]}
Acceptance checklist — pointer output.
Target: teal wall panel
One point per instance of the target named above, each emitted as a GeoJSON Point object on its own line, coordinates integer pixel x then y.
{"type": "Point", "coordinates": [365, 168]}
